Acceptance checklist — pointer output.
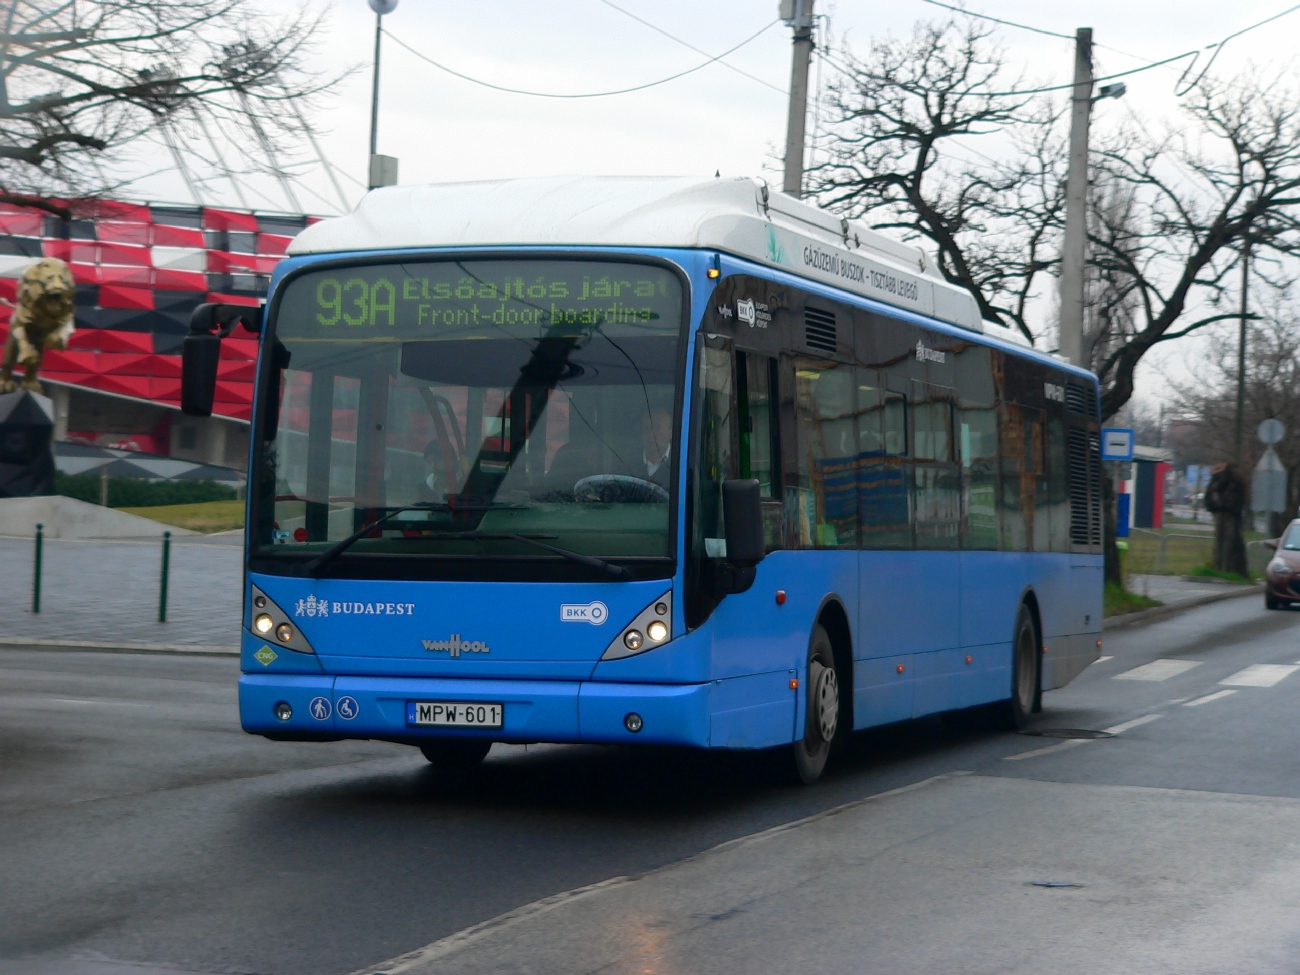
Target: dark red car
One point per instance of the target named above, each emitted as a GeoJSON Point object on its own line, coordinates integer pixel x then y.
{"type": "Point", "coordinates": [1282, 578]}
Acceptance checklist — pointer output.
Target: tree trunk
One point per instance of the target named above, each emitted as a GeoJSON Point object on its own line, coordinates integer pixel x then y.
{"type": "Point", "coordinates": [1225, 498]}
{"type": "Point", "coordinates": [1110, 521]}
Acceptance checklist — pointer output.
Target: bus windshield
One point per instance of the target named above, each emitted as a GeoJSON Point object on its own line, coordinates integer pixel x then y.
{"type": "Point", "coordinates": [503, 402]}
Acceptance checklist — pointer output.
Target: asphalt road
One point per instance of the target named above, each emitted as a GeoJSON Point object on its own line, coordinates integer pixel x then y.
{"type": "Point", "coordinates": [141, 831]}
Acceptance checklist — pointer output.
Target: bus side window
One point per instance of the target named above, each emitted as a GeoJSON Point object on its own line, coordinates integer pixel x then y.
{"type": "Point", "coordinates": [757, 420]}
{"type": "Point", "coordinates": [824, 501]}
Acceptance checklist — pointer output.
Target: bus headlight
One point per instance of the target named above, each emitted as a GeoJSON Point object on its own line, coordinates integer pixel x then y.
{"type": "Point", "coordinates": [653, 627]}
{"type": "Point", "coordinates": [269, 618]}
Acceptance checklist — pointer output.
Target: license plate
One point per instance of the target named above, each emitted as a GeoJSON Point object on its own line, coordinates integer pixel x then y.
{"type": "Point", "coordinates": [454, 714]}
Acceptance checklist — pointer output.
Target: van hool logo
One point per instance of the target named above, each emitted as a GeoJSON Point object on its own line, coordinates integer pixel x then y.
{"type": "Point", "coordinates": [455, 646]}
{"type": "Point", "coordinates": [927, 355]}
{"type": "Point", "coordinates": [311, 606]}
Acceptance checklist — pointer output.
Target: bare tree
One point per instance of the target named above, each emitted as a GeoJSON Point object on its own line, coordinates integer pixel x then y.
{"type": "Point", "coordinates": [1167, 214]}
{"type": "Point", "coordinates": [81, 80]}
{"type": "Point", "coordinates": [1193, 198]}
{"type": "Point", "coordinates": [893, 155]}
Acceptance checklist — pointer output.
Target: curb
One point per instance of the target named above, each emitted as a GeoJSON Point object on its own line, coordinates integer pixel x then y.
{"type": "Point", "coordinates": [192, 649]}
{"type": "Point", "coordinates": [1172, 609]}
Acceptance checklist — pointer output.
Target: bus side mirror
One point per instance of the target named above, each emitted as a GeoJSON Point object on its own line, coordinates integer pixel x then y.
{"type": "Point", "coordinates": [201, 351]}
{"type": "Point", "coordinates": [742, 518]}
{"type": "Point", "coordinates": [199, 357]}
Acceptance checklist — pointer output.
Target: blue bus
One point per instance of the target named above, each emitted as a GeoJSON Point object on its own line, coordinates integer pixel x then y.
{"type": "Point", "coordinates": [671, 461]}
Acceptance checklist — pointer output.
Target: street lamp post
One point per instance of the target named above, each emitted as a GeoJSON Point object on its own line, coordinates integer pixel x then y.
{"type": "Point", "coordinates": [383, 169]}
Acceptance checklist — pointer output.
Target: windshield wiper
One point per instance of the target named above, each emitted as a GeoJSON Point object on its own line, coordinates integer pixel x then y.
{"type": "Point", "coordinates": [609, 568]}
{"type": "Point", "coordinates": [338, 548]}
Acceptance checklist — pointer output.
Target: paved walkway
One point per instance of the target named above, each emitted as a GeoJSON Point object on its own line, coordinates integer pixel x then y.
{"type": "Point", "coordinates": [1172, 590]}
{"type": "Point", "coordinates": [107, 591]}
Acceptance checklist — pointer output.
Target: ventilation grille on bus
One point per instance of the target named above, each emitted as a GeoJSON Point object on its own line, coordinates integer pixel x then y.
{"type": "Point", "coordinates": [819, 329]}
{"type": "Point", "coordinates": [1083, 455]}
{"type": "Point", "coordinates": [1077, 399]}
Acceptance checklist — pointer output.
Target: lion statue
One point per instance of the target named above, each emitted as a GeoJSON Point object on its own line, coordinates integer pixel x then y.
{"type": "Point", "coordinates": [43, 320]}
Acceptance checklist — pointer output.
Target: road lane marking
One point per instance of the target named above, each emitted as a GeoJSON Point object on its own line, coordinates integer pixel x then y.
{"type": "Point", "coordinates": [1119, 729]}
{"type": "Point", "coordinates": [1209, 697]}
{"type": "Point", "coordinates": [1069, 743]}
{"type": "Point", "coordinates": [1260, 675]}
{"type": "Point", "coordinates": [1049, 750]}
{"type": "Point", "coordinates": [1158, 670]}
{"type": "Point", "coordinates": [1102, 660]}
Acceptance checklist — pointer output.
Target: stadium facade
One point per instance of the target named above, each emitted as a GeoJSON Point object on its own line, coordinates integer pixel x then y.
{"type": "Point", "coordinates": [140, 270]}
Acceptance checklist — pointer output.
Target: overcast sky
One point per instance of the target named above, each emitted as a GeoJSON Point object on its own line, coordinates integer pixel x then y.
{"type": "Point", "coordinates": [443, 128]}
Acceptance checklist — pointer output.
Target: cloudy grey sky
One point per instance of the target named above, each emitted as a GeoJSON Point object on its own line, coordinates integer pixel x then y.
{"type": "Point", "coordinates": [444, 128]}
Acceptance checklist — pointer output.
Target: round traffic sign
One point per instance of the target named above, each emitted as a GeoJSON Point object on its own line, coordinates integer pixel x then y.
{"type": "Point", "coordinates": [1271, 431]}
{"type": "Point", "coordinates": [383, 6]}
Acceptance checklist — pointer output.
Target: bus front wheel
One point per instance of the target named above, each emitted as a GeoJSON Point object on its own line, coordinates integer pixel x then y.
{"type": "Point", "coordinates": [456, 754]}
{"type": "Point", "coordinates": [822, 700]}
{"type": "Point", "coordinates": [1026, 661]}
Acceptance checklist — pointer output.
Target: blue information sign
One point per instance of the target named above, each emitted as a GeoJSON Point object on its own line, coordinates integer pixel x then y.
{"type": "Point", "coordinates": [1116, 443]}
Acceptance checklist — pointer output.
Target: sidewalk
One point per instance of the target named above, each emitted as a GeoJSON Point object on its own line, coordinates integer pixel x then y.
{"type": "Point", "coordinates": [1177, 594]}
{"type": "Point", "coordinates": [106, 592]}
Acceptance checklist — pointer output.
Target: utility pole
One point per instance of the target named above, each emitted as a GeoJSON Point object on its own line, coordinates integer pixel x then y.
{"type": "Point", "coordinates": [1239, 444]}
{"type": "Point", "coordinates": [1074, 249]}
{"type": "Point", "coordinates": [383, 169]}
{"type": "Point", "coordinates": [799, 15]}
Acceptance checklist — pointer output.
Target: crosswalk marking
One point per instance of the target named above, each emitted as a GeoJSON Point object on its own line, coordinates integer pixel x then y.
{"type": "Point", "coordinates": [1260, 675]}
{"type": "Point", "coordinates": [1209, 697]}
{"type": "Point", "coordinates": [1158, 670]}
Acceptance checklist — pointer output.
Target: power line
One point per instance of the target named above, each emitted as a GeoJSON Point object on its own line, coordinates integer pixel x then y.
{"type": "Point", "coordinates": [1219, 46]}
{"type": "Point", "coordinates": [999, 20]}
{"type": "Point", "coordinates": [697, 50]}
{"type": "Point", "coordinates": [592, 94]}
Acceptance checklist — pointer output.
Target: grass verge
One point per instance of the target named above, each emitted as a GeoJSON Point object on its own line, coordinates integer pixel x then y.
{"type": "Point", "coordinates": [204, 516]}
{"type": "Point", "coordinates": [1205, 572]}
{"type": "Point", "coordinates": [1120, 601]}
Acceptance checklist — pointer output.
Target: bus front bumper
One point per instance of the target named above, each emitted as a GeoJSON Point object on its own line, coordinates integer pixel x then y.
{"type": "Point", "coordinates": [323, 708]}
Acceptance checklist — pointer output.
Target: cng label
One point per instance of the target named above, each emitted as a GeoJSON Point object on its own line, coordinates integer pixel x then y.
{"type": "Point", "coordinates": [594, 613]}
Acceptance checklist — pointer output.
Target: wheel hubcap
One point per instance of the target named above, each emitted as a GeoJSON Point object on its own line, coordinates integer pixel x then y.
{"type": "Point", "coordinates": [825, 701]}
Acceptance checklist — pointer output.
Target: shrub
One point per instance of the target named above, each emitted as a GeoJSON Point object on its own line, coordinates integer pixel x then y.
{"type": "Point", "coordinates": [135, 492]}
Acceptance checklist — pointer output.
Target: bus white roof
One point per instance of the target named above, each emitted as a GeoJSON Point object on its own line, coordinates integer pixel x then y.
{"type": "Point", "coordinates": [738, 216]}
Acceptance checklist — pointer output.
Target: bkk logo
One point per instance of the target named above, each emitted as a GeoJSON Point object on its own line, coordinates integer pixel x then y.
{"type": "Point", "coordinates": [311, 606]}
{"type": "Point", "coordinates": [455, 646]}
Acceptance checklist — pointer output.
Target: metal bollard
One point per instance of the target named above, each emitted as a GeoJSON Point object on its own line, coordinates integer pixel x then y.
{"type": "Point", "coordinates": [166, 565]}
{"type": "Point", "coordinates": [36, 572]}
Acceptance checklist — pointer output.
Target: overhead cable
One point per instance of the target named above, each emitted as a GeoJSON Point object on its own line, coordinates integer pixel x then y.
{"type": "Point", "coordinates": [1218, 47]}
{"type": "Point", "coordinates": [697, 50]}
{"type": "Point", "coordinates": [999, 20]}
{"type": "Point", "coordinates": [591, 94]}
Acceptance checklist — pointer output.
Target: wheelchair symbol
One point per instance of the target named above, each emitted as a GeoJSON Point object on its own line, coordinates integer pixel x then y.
{"type": "Point", "coordinates": [348, 708]}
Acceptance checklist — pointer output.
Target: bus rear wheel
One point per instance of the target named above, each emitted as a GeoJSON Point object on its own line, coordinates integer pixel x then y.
{"type": "Point", "coordinates": [822, 705]}
{"type": "Point", "coordinates": [1026, 660]}
{"type": "Point", "coordinates": [456, 754]}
